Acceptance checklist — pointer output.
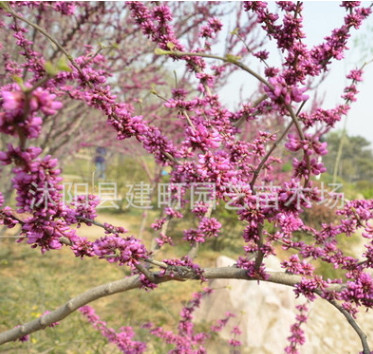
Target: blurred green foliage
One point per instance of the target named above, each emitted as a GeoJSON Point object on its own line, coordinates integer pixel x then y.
{"type": "Point", "coordinates": [356, 161]}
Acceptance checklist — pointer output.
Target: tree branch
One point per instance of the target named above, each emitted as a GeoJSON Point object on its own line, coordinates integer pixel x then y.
{"type": "Point", "coordinates": [274, 146]}
{"type": "Point", "coordinates": [134, 282]}
{"type": "Point", "coordinates": [227, 59]}
{"type": "Point", "coordinates": [363, 337]}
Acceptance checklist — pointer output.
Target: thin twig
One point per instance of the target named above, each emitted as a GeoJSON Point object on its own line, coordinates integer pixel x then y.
{"type": "Point", "coordinates": [189, 120]}
{"type": "Point", "coordinates": [149, 275]}
{"type": "Point", "coordinates": [94, 222]}
{"type": "Point", "coordinates": [255, 104]}
{"type": "Point", "coordinates": [227, 59]}
{"type": "Point", "coordinates": [260, 254]}
{"type": "Point", "coordinates": [274, 146]}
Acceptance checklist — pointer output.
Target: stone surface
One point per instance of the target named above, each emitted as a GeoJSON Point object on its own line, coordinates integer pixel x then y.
{"type": "Point", "coordinates": [266, 311]}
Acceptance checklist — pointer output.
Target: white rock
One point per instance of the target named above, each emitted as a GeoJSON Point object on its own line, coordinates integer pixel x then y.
{"type": "Point", "coordinates": [265, 312]}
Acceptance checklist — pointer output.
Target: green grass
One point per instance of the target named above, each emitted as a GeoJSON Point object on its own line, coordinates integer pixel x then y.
{"type": "Point", "coordinates": [32, 284]}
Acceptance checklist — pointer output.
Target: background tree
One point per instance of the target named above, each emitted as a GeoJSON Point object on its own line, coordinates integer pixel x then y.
{"type": "Point", "coordinates": [357, 157]}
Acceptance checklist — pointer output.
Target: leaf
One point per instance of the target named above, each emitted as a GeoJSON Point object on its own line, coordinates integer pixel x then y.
{"type": "Point", "coordinates": [18, 80]}
{"type": "Point", "coordinates": [159, 51]}
{"type": "Point", "coordinates": [50, 68]}
{"type": "Point", "coordinates": [170, 45]}
{"type": "Point", "coordinates": [63, 64]}
{"type": "Point", "coordinates": [234, 32]}
{"type": "Point", "coordinates": [4, 5]}
{"type": "Point", "coordinates": [153, 90]}
{"type": "Point", "coordinates": [232, 58]}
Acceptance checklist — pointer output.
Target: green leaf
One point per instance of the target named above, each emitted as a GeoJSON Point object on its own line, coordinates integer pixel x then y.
{"type": "Point", "coordinates": [153, 90]}
{"type": "Point", "coordinates": [62, 64]}
{"type": "Point", "coordinates": [18, 80]}
{"type": "Point", "coordinates": [50, 68]}
{"type": "Point", "coordinates": [232, 58]}
{"type": "Point", "coordinates": [170, 45]}
{"type": "Point", "coordinates": [234, 32]}
{"type": "Point", "coordinates": [159, 51]}
{"type": "Point", "coordinates": [4, 5]}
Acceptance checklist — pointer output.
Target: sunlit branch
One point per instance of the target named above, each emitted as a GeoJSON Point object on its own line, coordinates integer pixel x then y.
{"type": "Point", "coordinates": [134, 282]}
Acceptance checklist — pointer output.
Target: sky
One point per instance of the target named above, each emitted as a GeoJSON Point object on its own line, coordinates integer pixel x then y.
{"type": "Point", "coordinates": [320, 18]}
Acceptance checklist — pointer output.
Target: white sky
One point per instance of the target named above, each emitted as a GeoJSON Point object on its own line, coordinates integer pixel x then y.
{"type": "Point", "coordinates": [320, 17]}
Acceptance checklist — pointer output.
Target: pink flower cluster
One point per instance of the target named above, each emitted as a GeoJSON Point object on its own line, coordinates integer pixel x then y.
{"type": "Point", "coordinates": [116, 249]}
{"type": "Point", "coordinates": [296, 266]}
{"type": "Point", "coordinates": [297, 337]}
{"type": "Point", "coordinates": [281, 93]}
{"type": "Point", "coordinates": [20, 109]}
{"type": "Point", "coordinates": [123, 339]}
{"type": "Point", "coordinates": [208, 227]}
{"type": "Point", "coordinates": [186, 340]}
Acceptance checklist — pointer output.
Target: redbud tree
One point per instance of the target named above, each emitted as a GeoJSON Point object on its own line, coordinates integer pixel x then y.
{"type": "Point", "coordinates": [230, 153]}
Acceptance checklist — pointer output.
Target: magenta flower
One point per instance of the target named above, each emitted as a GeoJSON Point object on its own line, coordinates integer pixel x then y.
{"type": "Point", "coordinates": [12, 101]}
{"type": "Point", "coordinates": [120, 250]}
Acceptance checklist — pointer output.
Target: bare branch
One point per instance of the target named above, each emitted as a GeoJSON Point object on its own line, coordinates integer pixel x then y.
{"type": "Point", "coordinates": [134, 282]}
{"type": "Point", "coordinates": [274, 146]}
{"type": "Point", "coordinates": [71, 306]}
